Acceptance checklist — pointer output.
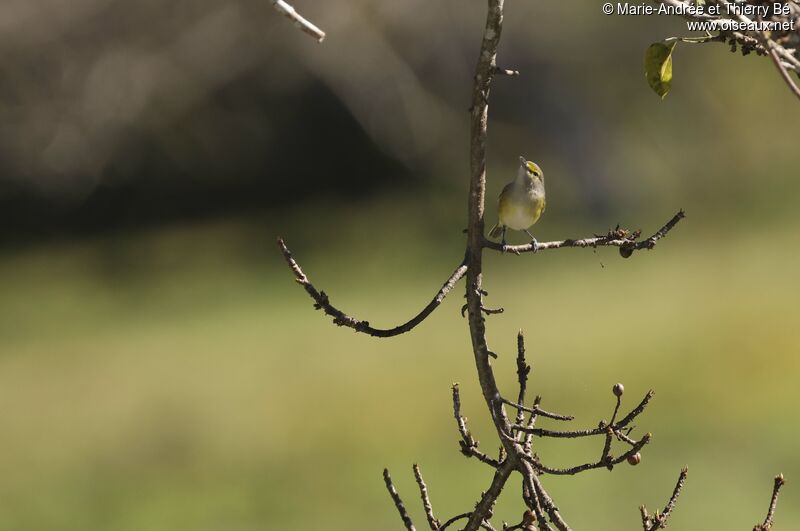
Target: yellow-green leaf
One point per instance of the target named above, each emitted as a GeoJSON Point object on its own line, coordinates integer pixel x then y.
{"type": "Point", "coordinates": [658, 67]}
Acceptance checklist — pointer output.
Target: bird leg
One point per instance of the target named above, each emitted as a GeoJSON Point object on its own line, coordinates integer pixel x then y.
{"type": "Point", "coordinates": [534, 242]}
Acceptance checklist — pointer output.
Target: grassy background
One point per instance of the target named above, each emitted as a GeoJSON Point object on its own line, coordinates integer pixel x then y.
{"type": "Point", "coordinates": [178, 379]}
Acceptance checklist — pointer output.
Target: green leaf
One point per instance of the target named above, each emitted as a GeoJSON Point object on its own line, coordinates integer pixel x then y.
{"type": "Point", "coordinates": [658, 67]}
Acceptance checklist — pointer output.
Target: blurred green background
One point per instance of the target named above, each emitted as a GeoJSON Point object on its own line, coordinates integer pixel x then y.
{"type": "Point", "coordinates": [160, 370]}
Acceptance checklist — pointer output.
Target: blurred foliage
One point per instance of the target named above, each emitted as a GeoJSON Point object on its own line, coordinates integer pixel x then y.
{"type": "Point", "coordinates": [160, 369]}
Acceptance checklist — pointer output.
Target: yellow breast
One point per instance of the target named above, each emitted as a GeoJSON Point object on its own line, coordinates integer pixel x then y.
{"type": "Point", "coordinates": [519, 210]}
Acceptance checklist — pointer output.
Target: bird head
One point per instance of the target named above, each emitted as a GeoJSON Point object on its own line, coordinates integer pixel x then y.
{"type": "Point", "coordinates": [530, 170]}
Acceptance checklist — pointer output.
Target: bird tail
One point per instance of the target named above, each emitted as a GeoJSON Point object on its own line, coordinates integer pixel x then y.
{"type": "Point", "coordinates": [496, 231]}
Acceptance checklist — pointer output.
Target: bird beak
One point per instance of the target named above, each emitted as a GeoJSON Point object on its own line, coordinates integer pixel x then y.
{"type": "Point", "coordinates": [522, 160]}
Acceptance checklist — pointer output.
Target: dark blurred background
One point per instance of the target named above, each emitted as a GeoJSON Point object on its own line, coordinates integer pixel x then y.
{"type": "Point", "coordinates": [159, 369]}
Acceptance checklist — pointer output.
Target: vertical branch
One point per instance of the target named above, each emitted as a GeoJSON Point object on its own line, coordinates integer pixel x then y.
{"type": "Point", "coordinates": [523, 369]}
{"type": "Point", "coordinates": [479, 114]}
{"type": "Point", "coordinates": [477, 193]}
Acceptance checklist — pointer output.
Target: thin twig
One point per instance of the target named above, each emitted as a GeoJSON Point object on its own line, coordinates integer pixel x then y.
{"type": "Point", "coordinates": [536, 410]}
{"type": "Point", "coordinates": [341, 319]}
{"type": "Point", "coordinates": [426, 501]}
{"type": "Point", "coordinates": [616, 410]}
{"type": "Point", "coordinates": [603, 462]}
{"type": "Point", "coordinates": [303, 24]}
{"type": "Point", "coordinates": [572, 434]}
{"type": "Point", "coordinates": [453, 520]}
{"type": "Point", "coordinates": [528, 441]}
{"type": "Point", "coordinates": [469, 446]}
{"type": "Point", "coordinates": [397, 501]}
{"type": "Point", "coordinates": [605, 455]}
{"type": "Point", "coordinates": [659, 520]}
{"type": "Point", "coordinates": [769, 520]}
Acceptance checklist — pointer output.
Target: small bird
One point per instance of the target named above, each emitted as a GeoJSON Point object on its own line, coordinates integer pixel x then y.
{"type": "Point", "coordinates": [521, 202]}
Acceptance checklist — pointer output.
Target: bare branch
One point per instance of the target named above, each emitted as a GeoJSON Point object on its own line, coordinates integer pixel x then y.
{"type": "Point", "coordinates": [659, 520]}
{"type": "Point", "coordinates": [605, 455]}
{"type": "Point", "coordinates": [773, 54]}
{"type": "Point", "coordinates": [531, 499]}
{"type": "Point", "coordinates": [341, 319]}
{"type": "Point", "coordinates": [453, 520]}
{"type": "Point", "coordinates": [626, 241]}
{"type": "Point", "coordinates": [397, 501]}
{"type": "Point", "coordinates": [304, 25]}
{"type": "Point", "coordinates": [523, 370]}
{"type": "Point", "coordinates": [635, 412]}
{"type": "Point", "coordinates": [537, 411]}
{"type": "Point", "coordinates": [545, 501]}
{"type": "Point", "coordinates": [768, 521]}
{"type": "Point", "coordinates": [571, 434]}
{"type": "Point", "coordinates": [469, 446]}
{"type": "Point", "coordinates": [603, 462]}
{"type": "Point", "coordinates": [485, 70]}
{"type": "Point", "coordinates": [528, 441]}
{"type": "Point", "coordinates": [426, 501]}
{"type": "Point", "coordinates": [485, 506]}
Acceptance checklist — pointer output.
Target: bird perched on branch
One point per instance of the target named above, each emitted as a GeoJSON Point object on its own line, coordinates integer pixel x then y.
{"type": "Point", "coordinates": [521, 202]}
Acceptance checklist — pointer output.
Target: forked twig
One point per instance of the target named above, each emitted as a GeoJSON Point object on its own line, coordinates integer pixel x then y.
{"type": "Point", "coordinates": [659, 520]}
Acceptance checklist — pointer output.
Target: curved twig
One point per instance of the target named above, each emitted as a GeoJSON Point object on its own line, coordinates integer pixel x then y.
{"type": "Point", "coordinates": [453, 520]}
{"type": "Point", "coordinates": [571, 471]}
{"type": "Point", "coordinates": [341, 319]}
